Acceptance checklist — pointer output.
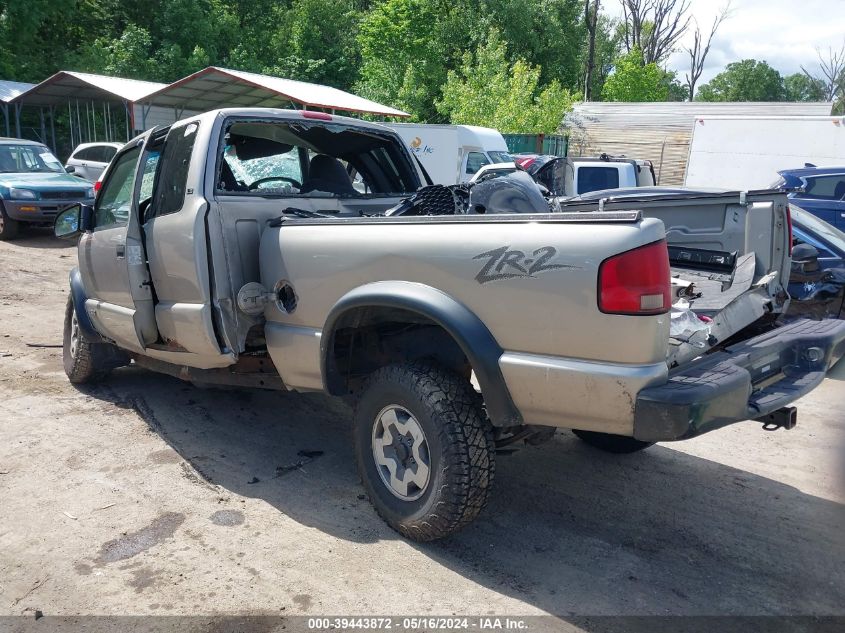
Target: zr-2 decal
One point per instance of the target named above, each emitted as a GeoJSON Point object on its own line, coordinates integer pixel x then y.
{"type": "Point", "coordinates": [503, 263]}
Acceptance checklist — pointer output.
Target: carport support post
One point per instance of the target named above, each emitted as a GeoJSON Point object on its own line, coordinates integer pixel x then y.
{"type": "Point", "coordinates": [78, 123]}
{"type": "Point", "coordinates": [70, 124]}
{"type": "Point", "coordinates": [129, 116]}
{"type": "Point", "coordinates": [53, 128]}
{"type": "Point", "coordinates": [43, 126]}
{"type": "Point", "coordinates": [6, 116]}
{"type": "Point", "coordinates": [18, 120]}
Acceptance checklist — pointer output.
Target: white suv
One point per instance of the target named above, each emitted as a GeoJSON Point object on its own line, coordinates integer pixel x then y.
{"type": "Point", "coordinates": [90, 159]}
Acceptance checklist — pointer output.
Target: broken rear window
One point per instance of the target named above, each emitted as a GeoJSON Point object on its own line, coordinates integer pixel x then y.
{"type": "Point", "coordinates": [303, 158]}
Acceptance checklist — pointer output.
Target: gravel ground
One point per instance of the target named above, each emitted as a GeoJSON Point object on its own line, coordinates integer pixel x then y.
{"type": "Point", "coordinates": [146, 495]}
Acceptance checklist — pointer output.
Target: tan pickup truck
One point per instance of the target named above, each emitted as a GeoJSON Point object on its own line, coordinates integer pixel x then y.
{"type": "Point", "coordinates": [300, 250]}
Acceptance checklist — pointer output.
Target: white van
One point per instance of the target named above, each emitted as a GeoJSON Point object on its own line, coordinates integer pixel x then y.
{"type": "Point", "coordinates": [453, 153]}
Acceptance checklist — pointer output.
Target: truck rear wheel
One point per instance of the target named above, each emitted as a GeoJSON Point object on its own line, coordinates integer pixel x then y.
{"type": "Point", "coordinates": [85, 361]}
{"type": "Point", "coordinates": [611, 443]}
{"type": "Point", "coordinates": [9, 228]}
{"type": "Point", "coordinates": [424, 448]}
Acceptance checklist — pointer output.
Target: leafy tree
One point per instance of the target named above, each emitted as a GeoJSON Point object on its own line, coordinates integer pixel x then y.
{"type": "Point", "coordinates": [395, 36]}
{"type": "Point", "coordinates": [800, 87]}
{"type": "Point", "coordinates": [632, 80]}
{"type": "Point", "coordinates": [488, 90]}
{"type": "Point", "coordinates": [675, 90]}
{"type": "Point", "coordinates": [317, 43]}
{"type": "Point", "coordinates": [127, 56]}
{"type": "Point", "coordinates": [747, 80]}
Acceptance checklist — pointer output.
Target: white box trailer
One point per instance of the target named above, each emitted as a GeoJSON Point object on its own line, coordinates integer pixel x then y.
{"type": "Point", "coordinates": [746, 152]}
{"type": "Point", "coordinates": [453, 153]}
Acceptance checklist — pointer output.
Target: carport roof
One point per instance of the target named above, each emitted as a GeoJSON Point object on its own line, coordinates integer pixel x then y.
{"type": "Point", "coordinates": [215, 87]}
{"type": "Point", "coordinates": [11, 89]}
{"type": "Point", "coordinates": [69, 85]}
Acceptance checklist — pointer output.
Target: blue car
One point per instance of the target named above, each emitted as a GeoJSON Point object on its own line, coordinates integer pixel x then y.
{"type": "Point", "coordinates": [817, 279]}
{"type": "Point", "coordinates": [34, 186]}
{"type": "Point", "coordinates": [822, 191]}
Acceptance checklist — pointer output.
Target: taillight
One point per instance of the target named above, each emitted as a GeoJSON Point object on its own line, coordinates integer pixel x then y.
{"type": "Point", "coordinates": [789, 226]}
{"type": "Point", "coordinates": [637, 281]}
{"type": "Point", "coordinates": [322, 116]}
{"type": "Point", "coordinates": [98, 185]}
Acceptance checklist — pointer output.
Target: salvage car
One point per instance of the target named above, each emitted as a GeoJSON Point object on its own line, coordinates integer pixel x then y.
{"type": "Point", "coordinates": [817, 281]}
{"type": "Point", "coordinates": [817, 190]}
{"type": "Point", "coordinates": [234, 248]}
{"type": "Point", "coordinates": [34, 187]}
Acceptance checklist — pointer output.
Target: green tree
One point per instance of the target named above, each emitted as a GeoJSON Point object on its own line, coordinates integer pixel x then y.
{"type": "Point", "coordinates": [747, 80]}
{"type": "Point", "coordinates": [675, 90]}
{"type": "Point", "coordinates": [800, 87]}
{"type": "Point", "coordinates": [126, 56]}
{"type": "Point", "coordinates": [317, 43]}
{"type": "Point", "coordinates": [490, 91]}
{"type": "Point", "coordinates": [631, 80]}
{"type": "Point", "coordinates": [409, 46]}
{"type": "Point", "coordinates": [403, 61]}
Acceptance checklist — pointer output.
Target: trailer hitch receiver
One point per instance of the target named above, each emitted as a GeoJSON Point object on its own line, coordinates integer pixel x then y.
{"type": "Point", "coordinates": [783, 418]}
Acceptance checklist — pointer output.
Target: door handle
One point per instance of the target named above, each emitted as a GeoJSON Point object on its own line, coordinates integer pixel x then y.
{"type": "Point", "coordinates": [120, 251]}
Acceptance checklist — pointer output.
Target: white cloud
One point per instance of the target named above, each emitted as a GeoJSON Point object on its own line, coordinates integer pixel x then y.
{"type": "Point", "coordinates": [784, 33]}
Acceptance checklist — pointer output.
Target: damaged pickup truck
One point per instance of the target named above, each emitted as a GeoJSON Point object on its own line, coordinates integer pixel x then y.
{"type": "Point", "coordinates": [297, 250]}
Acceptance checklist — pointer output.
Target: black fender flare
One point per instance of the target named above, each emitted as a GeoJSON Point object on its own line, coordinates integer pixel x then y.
{"type": "Point", "coordinates": [467, 330]}
{"type": "Point", "coordinates": [77, 292]}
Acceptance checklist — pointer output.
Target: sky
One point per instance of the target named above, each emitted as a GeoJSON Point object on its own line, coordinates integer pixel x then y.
{"type": "Point", "coordinates": [784, 33]}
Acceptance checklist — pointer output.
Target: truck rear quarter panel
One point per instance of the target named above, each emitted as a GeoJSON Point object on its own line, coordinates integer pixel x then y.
{"type": "Point", "coordinates": [533, 284]}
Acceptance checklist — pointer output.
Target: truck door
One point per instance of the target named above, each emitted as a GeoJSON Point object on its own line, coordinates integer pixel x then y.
{"type": "Point", "coordinates": [112, 262]}
{"type": "Point", "coordinates": [177, 251]}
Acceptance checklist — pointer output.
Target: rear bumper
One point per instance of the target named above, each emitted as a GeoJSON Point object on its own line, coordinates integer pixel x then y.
{"type": "Point", "coordinates": [41, 211]}
{"type": "Point", "coordinates": [742, 382]}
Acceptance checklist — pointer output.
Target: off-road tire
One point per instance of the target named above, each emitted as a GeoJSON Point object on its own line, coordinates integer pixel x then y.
{"type": "Point", "coordinates": [460, 442]}
{"type": "Point", "coordinates": [609, 443]}
{"type": "Point", "coordinates": [9, 228]}
{"type": "Point", "coordinates": [86, 361]}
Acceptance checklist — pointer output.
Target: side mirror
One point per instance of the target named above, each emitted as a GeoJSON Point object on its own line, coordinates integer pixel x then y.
{"type": "Point", "coordinates": [73, 221]}
{"type": "Point", "coordinates": [805, 257]}
{"type": "Point", "coordinates": [70, 169]}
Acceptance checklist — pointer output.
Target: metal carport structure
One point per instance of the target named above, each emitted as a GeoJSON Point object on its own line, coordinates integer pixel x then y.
{"type": "Point", "coordinates": [90, 101]}
{"type": "Point", "coordinates": [8, 91]}
{"type": "Point", "coordinates": [216, 87]}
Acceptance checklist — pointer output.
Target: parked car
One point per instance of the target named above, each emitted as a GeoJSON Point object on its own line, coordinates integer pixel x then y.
{"type": "Point", "coordinates": [232, 248]}
{"type": "Point", "coordinates": [89, 160]}
{"type": "Point", "coordinates": [34, 187]}
{"type": "Point", "coordinates": [820, 191]}
{"type": "Point", "coordinates": [817, 280]}
{"type": "Point", "coordinates": [567, 177]}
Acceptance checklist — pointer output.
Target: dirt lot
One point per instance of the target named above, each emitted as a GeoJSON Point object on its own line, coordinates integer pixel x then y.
{"type": "Point", "coordinates": [146, 495]}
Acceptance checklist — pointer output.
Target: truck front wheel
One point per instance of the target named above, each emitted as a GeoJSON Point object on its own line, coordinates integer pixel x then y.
{"type": "Point", "coordinates": [611, 443]}
{"type": "Point", "coordinates": [86, 361]}
{"type": "Point", "coordinates": [424, 448]}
